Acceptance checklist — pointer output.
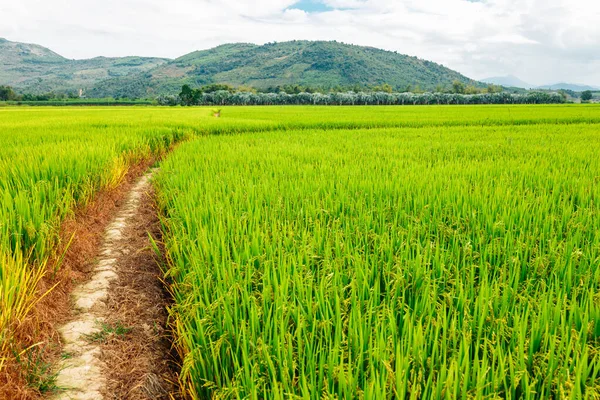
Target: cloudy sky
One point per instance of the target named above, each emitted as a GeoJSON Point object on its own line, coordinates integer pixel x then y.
{"type": "Point", "coordinates": [540, 41]}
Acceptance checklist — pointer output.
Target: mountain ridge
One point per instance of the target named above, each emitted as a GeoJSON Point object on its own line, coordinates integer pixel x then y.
{"type": "Point", "coordinates": [568, 86]}
{"type": "Point", "coordinates": [32, 68]}
{"type": "Point", "coordinates": [513, 81]}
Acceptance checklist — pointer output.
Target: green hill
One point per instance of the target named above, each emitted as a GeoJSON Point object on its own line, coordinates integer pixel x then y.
{"type": "Point", "coordinates": [35, 69]}
{"type": "Point", "coordinates": [315, 64]}
{"type": "Point", "coordinates": [31, 68]}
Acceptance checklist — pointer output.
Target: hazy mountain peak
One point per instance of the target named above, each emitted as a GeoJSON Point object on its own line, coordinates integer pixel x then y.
{"type": "Point", "coordinates": [568, 86]}
{"type": "Point", "coordinates": [508, 81]}
{"type": "Point", "coordinates": [12, 53]}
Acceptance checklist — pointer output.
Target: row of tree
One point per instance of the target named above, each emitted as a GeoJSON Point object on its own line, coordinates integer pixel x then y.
{"type": "Point", "coordinates": [218, 94]}
{"type": "Point", "coordinates": [227, 97]}
{"type": "Point", "coordinates": [190, 96]}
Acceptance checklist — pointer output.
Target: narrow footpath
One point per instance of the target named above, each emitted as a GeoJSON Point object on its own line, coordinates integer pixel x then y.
{"type": "Point", "coordinates": [116, 346]}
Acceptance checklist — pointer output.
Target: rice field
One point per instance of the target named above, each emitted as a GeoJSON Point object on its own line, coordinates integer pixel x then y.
{"type": "Point", "coordinates": [340, 252]}
{"type": "Point", "coordinates": [392, 263]}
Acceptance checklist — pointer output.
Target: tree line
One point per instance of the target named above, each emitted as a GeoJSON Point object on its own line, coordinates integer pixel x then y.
{"type": "Point", "coordinates": [221, 95]}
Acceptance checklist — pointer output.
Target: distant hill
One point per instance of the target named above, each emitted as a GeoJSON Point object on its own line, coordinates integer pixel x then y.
{"type": "Point", "coordinates": [513, 81]}
{"type": "Point", "coordinates": [568, 86]}
{"type": "Point", "coordinates": [508, 81]}
{"type": "Point", "coordinates": [35, 69]}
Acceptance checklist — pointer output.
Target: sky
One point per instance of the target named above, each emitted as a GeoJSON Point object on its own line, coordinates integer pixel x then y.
{"type": "Point", "coordinates": [539, 41]}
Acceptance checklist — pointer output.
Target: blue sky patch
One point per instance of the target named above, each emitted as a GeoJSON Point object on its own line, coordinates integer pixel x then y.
{"type": "Point", "coordinates": [311, 6]}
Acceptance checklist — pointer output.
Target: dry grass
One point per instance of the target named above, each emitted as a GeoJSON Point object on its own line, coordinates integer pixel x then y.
{"type": "Point", "coordinates": [140, 364]}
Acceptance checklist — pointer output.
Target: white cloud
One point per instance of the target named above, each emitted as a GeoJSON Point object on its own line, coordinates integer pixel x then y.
{"type": "Point", "coordinates": [295, 15]}
{"type": "Point", "coordinates": [509, 38]}
{"type": "Point", "coordinates": [541, 41]}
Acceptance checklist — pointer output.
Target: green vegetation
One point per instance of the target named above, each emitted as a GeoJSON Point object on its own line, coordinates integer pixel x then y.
{"type": "Point", "coordinates": [7, 94]}
{"type": "Point", "coordinates": [109, 331]}
{"type": "Point", "coordinates": [40, 374]}
{"type": "Point", "coordinates": [349, 252]}
{"type": "Point", "coordinates": [189, 96]}
{"type": "Point", "coordinates": [586, 95]}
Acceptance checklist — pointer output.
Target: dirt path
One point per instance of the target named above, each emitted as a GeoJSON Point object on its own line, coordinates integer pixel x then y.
{"type": "Point", "coordinates": [115, 347]}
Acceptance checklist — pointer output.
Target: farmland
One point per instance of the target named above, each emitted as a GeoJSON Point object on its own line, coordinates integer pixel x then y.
{"type": "Point", "coordinates": [365, 252]}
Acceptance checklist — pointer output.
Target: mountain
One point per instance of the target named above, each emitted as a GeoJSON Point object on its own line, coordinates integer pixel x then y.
{"type": "Point", "coordinates": [31, 68]}
{"type": "Point", "coordinates": [34, 69]}
{"type": "Point", "coordinates": [568, 86]}
{"type": "Point", "coordinates": [305, 63]}
{"type": "Point", "coordinates": [508, 81]}
{"type": "Point", "coordinates": [513, 81]}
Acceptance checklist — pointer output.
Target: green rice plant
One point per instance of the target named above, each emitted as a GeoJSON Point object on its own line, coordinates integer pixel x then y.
{"type": "Point", "coordinates": [438, 262]}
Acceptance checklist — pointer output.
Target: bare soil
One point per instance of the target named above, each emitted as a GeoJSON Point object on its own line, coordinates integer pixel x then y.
{"type": "Point", "coordinates": [139, 364]}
